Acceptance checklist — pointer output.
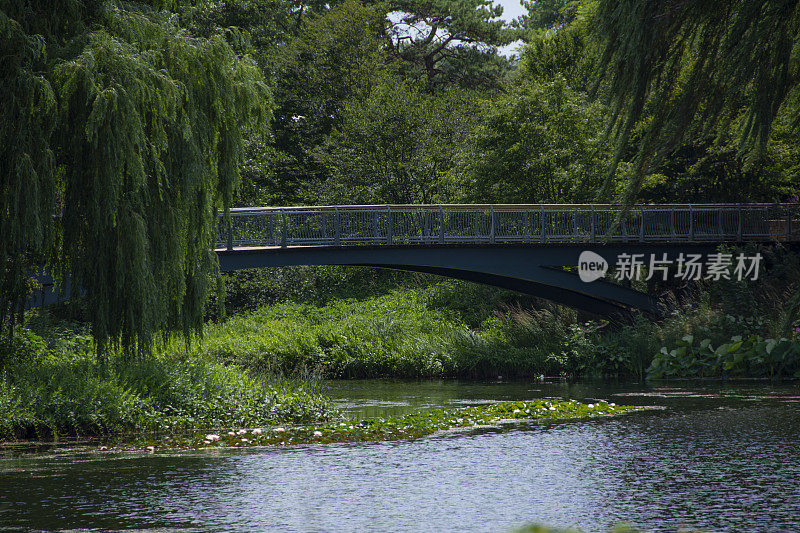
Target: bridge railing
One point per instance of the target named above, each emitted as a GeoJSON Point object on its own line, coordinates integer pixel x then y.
{"type": "Point", "coordinates": [558, 223]}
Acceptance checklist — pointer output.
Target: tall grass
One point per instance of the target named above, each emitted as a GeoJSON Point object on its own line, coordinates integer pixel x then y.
{"type": "Point", "coordinates": [449, 328]}
{"type": "Point", "coordinates": [408, 333]}
{"type": "Point", "coordinates": [54, 386]}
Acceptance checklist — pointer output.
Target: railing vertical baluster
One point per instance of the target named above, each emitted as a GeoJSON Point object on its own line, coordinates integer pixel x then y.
{"type": "Point", "coordinates": [672, 222]}
{"type": "Point", "coordinates": [271, 228]}
{"type": "Point", "coordinates": [788, 224]}
{"type": "Point", "coordinates": [526, 221]}
{"type": "Point", "coordinates": [641, 224]}
{"type": "Point", "coordinates": [389, 222]}
{"type": "Point", "coordinates": [491, 224]}
{"type": "Point", "coordinates": [575, 225]}
{"type": "Point", "coordinates": [337, 226]}
{"type": "Point", "coordinates": [739, 228]}
{"type": "Point", "coordinates": [441, 225]}
{"type": "Point", "coordinates": [285, 230]}
{"type": "Point", "coordinates": [230, 231]}
{"type": "Point", "coordinates": [542, 237]}
{"type": "Point", "coordinates": [310, 225]}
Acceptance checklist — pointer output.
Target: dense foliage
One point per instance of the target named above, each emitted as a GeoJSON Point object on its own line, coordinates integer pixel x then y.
{"type": "Point", "coordinates": [697, 68]}
{"type": "Point", "coordinates": [128, 127]}
{"type": "Point", "coordinates": [56, 387]}
{"type": "Point", "coordinates": [127, 136]}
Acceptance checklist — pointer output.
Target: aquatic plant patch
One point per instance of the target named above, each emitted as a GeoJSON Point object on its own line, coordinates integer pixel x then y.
{"type": "Point", "coordinates": [409, 426]}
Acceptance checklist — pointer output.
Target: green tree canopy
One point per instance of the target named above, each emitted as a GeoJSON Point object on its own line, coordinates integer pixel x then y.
{"type": "Point", "coordinates": [696, 68]}
{"type": "Point", "coordinates": [127, 137]}
{"type": "Point", "coordinates": [444, 39]}
{"type": "Point", "coordinates": [545, 14]}
{"type": "Point", "coordinates": [540, 143]}
{"type": "Point", "coordinates": [338, 56]}
{"type": "Point", "coordinates": [396, 146]}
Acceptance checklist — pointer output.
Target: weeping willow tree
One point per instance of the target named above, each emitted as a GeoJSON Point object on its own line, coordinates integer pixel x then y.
{"type": "Point", "coordinates": [675, 68]}
{"type": "Point", "coordinates": [125, 139]}
{"type": "Point", "coordinates": [27, 120]}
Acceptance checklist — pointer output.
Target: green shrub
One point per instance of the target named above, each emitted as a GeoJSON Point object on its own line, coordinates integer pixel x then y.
{"type": "Point", "coordinates": [752, 356]}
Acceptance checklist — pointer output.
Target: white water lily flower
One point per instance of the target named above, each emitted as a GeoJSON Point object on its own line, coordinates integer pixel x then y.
{"type": "Point", "coordinates": [516, 411]}
{"type": "Point", "coordinates": [206, 442]}
{"type": "Point", "coordinates": [612, 404]}
{"type": "Point", "coordinates": [231, 434]}
{"type": "Point", "coordinates": [278, 430]}
{"type": "Point", "coordinates": [256, 431]}
{"type": "Point", "coordinates": [245, 440]}
{"type": "Point", "coordinates": [552, 408]}
{"type": "Point", "coordinates": [241, 432]}
{"type": "Point", "coordinates": [317, 433]}
{"type": "Point", "coordinates": [590, 406]}
{"type": "Point", "coordinates": [213, 437]}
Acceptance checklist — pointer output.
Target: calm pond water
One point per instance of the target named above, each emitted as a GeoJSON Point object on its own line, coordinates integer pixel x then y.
{"type": "Point", "coordinates": [722, 457]}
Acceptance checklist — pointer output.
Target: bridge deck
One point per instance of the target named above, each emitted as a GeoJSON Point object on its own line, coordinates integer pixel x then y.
{"type": "Point", "coordinates": [506, 224]}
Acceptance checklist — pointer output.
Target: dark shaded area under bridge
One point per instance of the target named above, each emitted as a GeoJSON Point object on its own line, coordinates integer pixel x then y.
{"type": "Point", "coordinates": [531, 269]}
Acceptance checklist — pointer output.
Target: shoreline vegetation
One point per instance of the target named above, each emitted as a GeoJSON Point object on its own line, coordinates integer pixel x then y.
{"type": "Point", "coordinates": [139, 122]}
{"type": "Point", "coordinates": [290, 329]}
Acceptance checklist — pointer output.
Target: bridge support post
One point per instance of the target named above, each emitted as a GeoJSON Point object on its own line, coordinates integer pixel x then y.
{"type": "Point", "coordinates": [593, 236]}
{"type": "Point", "coordinates": [691, 223]}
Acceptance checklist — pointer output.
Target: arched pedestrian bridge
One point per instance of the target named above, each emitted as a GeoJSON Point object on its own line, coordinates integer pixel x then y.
{"type": "Point", "coordinates": [519, 247]}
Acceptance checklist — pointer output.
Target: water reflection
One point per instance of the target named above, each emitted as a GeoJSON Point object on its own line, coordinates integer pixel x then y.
{"type": "Point", "coordinates": [722, 457]}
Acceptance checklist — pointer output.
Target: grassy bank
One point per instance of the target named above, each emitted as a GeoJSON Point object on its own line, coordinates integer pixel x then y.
{"type": "Point", "coordinates": [408, 333]}
{"type": "Point", "coordinates": [54, 386]}
{"type": "Point", "coordinates": [415, 333]}
{"type": "Point", "coordinates": [407, 327]}
{"type": "Point", "coordinates": [393, 326]}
